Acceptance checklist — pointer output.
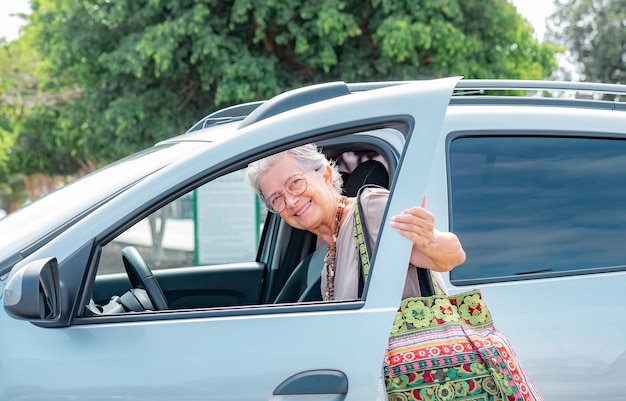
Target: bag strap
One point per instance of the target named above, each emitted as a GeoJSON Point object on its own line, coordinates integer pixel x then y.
{"type": "Point", "coordinates": [427, 283]}
{"type": "Point", "coordinates": [361, 243]}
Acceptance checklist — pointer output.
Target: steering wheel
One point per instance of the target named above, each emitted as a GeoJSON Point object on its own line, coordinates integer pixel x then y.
{"type": "Point", "coordinates": [141, 276]}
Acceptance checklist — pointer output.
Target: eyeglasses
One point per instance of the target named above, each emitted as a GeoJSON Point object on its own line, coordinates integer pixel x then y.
{"type": "Point", "coordinates": [295, 185]}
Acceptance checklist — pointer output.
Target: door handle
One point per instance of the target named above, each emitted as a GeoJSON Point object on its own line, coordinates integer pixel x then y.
{"type": "Point", "coordinates": [311, 382]}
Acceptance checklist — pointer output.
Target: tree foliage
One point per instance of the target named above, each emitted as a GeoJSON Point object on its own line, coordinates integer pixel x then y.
{"type": "Point", "coordinates": [594, 32]}
{"type": "Point", "coordinates": [126, 73]}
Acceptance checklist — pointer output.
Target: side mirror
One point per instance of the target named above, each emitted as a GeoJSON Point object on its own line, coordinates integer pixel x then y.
{"type": "Point", "coordinates": [33, 292]}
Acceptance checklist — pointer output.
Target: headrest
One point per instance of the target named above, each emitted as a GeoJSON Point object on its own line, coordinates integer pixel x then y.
{"type": "Point", "coordinates": [368, 172]}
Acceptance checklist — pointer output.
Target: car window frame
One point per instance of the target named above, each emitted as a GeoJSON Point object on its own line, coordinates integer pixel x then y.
{"type": "Point", "coordinates": [371, 136]}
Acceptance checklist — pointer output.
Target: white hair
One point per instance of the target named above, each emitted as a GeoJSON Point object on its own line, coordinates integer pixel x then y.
{"type": "Point", "coordinates": [307, 156]}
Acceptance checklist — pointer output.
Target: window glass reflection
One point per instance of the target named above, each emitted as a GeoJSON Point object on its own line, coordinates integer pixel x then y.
{"type": "Point", "coordinates": [531, 204]}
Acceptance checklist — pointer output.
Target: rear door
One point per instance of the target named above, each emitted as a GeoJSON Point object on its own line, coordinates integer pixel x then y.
{"type": "Point", "coordinates": [537, 198]}
{"type": "Point", "coordinates": [318, 351]}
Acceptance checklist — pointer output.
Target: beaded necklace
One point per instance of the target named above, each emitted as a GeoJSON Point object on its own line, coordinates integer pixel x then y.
{"type": "Point", "coordinates": [332, 251]}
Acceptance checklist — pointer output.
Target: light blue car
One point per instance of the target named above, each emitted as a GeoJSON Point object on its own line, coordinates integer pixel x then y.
{"type": "Point", "coordinates": [162, 277]}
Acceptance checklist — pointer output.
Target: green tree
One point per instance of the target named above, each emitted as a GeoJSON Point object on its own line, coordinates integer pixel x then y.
{"type": "Point", "coordinates": [144, 70]}
{"type": "Point", "coordinates": [32, 161]}
{"type": "Point", "coordinates": [14, 88]}
{"type": "Point", "coordinates": [594, 32]}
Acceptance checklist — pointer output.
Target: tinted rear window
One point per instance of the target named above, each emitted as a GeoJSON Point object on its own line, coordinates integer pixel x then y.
{"type": "Point", "coordinates": [528, 206]}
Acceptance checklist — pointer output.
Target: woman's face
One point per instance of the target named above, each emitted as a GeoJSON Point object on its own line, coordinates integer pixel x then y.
{"type": "Point", "coordinates": [315, 207]}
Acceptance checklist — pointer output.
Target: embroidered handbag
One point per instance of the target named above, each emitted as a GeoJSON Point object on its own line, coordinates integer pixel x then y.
{"type": "Point", "coordinates": [446, 347]}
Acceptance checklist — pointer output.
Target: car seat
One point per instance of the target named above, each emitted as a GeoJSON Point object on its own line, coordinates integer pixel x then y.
{"type": "Point", "coordinates": [369, 172]}
{"type": "Point", "coordinates": [305, 281]}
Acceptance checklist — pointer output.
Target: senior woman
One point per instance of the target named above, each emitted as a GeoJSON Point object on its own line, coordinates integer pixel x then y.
{"type": "Point", "coordinates": [305, 189]}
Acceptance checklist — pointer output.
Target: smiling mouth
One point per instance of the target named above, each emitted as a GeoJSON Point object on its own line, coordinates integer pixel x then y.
{"type": "Point", "coordinates": [304, 209]}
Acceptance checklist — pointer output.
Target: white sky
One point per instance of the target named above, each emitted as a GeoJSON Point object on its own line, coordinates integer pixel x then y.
{"type": "Point", "coordinates": [535, 11]}
{"type": "Point", "coordinates": [9, 25]}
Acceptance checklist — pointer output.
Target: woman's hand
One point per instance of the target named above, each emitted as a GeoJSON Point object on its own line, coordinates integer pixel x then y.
{"type": "Point", "coordinates": [432, 249]}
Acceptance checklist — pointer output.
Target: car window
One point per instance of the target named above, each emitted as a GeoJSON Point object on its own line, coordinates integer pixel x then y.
{"type": "Point", "coordinates": [217, 223]}
{"type": "Point", "coordinates": [537, 205]}
{"type": "Point", "coordinates": [205, 249]}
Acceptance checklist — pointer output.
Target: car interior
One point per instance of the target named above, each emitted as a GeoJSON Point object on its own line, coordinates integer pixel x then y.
{"type": "Point", "coordinates": [286, 268]}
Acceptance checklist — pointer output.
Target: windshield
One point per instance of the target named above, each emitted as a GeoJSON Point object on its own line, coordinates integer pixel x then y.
{"type": "Point", "coordinates": [38, 222]}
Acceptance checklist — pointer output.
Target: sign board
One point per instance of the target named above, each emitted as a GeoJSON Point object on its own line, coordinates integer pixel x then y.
{"type": "Point", "coordinates": [227, 223]}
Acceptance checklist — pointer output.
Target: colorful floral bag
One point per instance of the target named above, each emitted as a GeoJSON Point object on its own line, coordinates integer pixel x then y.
{"type": "Point", "coordinates": [446, 347]}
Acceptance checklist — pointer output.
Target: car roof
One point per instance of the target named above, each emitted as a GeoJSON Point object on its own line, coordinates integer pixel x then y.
{"type": "Point", "coordinates": [467, 91]}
